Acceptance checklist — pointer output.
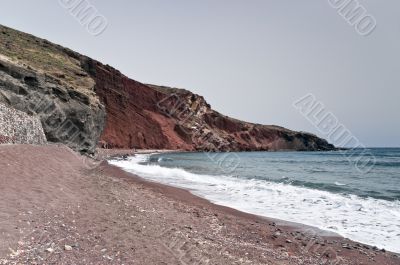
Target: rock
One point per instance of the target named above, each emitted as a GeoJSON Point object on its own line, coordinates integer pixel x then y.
{"type": "Point", "coordinates": [50, 250]}
{"type": "Point", "coordinates": [68, 108]}
{"type": "Point", "coordinates": [74, 122]}
{"type": "Point", "coordinates": [192, 124]}
{"type": "Point", "coordinates": [67, 248]}
{"type": "Point", "coordinates": [346, 246]}
{"type": "Point", "coordinates": [107, 257]}
{"type": "Point", "coordinates": [80, 102]}
{"type": "Point", "coordinates": [276, 234]}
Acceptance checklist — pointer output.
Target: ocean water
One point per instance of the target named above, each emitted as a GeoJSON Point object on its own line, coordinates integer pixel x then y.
{"type": "Point", "coordinates": [321, 189]}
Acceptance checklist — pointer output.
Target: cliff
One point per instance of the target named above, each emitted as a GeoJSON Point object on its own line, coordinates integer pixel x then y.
{"type": "Point", "coordinates": [83, 103]}
{"type": "Point", "coordinates": [47, 80]}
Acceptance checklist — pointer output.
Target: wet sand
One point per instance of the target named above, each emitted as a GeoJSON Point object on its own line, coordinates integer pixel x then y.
{"type": "Point", "coordinates": [58, 207]}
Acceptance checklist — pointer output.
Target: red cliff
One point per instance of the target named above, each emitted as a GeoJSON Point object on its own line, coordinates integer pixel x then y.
{"type": "Point", "coordinates": [83, 103]}
{"type": "Point", "coordinates": [149, 116]}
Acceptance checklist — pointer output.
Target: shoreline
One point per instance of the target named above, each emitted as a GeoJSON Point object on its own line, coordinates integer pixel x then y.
{"type": "Point", "coordinates": [186, 195]}
{"type": "Point", "coordinates": [287, 224]}
{"type": "Point", "coordinates": [104, 154]}
{"type": "Point", "coordinates": [228, 209]}
{"type": "Point", "coordinates": [312, 239]}
{"type": "Point", "coordinates": [59, 209]}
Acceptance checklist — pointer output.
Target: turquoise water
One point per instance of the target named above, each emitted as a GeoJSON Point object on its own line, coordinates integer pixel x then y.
{"type": "Point", "coordinates": [322, 189]}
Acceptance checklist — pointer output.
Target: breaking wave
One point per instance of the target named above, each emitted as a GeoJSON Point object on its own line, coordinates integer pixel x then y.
{"type": "Point", "coordinates": [368, 220]}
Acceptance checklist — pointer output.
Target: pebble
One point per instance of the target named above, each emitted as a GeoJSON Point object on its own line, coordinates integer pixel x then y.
{"type": "Point", "coordinates": [276, 235]}
{"type": "Point", "coordinates": [50, 250]}
{"type": "Point", "coordinates": [67, 248]}
{"type": "Point", "coordinates": [107, 257]}
{"type": "Point", "coordinates": [346, 246]}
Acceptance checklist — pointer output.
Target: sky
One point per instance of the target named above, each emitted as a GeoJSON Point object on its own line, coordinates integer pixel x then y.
{"type": "Point", "coordinates": [249, 59]}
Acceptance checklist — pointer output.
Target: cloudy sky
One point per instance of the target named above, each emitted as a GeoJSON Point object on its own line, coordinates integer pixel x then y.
{"type": "Point", "coordinates": [250, 59]}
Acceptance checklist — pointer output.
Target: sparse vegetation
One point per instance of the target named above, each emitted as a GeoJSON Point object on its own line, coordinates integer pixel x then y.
{"type": "Point", "coordinates": [45, 57]}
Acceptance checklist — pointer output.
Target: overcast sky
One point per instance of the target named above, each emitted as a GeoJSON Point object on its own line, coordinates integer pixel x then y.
{"type": "Point", "coordinates": [250, 59]}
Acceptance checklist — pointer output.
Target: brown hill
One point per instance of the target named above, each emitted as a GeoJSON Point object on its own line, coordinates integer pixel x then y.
{"type": "Point", "coordinates": [83, 103]}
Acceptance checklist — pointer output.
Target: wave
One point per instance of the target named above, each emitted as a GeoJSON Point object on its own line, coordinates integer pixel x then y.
{"type": "Point", "coordinates": [330, 187]}
{"type": "Point", "coordinates": [394, 164]}
{"type": "Point", "coordinates": [367, 220]}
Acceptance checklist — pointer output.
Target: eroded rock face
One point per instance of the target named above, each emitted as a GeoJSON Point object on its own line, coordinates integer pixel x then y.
{"type": "Point", "coordinates": [81, 101]}
{"type": "Point", "coordinates": [133, 119]}
{"type": "Point", "coordinates": [211, 131]}
{"type": "Point", "coordinates": [155, 117]}
{"type": "Point", "coordinates": [67, 116]}
{"type": "Point", "coordinates": [148, 116]}
{"type": "Point", "coordinates": [42, 78]}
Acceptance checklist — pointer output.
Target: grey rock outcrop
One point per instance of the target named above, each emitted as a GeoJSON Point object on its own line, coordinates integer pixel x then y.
{"type": "Point", "coordinates": [67, 115]}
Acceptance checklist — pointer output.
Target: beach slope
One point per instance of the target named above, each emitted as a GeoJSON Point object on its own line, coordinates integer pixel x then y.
{"type": "Point", "coordinates": [58, 207]}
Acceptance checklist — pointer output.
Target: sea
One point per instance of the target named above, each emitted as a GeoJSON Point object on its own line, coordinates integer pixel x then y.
{"type": "Point", "coordinates": [321, 189]}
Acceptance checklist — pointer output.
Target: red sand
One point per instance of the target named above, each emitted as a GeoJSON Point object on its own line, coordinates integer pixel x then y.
{"type": "Point", "coordinates": [58, 207]}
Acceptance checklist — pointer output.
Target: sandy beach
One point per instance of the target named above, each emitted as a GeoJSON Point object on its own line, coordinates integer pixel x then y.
{"type": "Point", "coordinates": [58, 207]}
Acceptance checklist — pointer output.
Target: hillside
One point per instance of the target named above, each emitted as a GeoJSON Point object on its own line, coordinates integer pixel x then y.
{"type": "Point", "coordinates": [84, 103]}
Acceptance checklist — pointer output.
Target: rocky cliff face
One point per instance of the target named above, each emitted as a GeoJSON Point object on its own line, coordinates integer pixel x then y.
{"type": "Point", "coordinates": [205, 129]}
{"type": "Point", "coordinates": [38, 77]}
{"type": "Point", "coordinates": [82, 102]}
{"type": "Point", "coordinates": [133, 120]}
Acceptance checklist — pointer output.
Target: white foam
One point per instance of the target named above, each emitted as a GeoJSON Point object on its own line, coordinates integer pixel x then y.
{"type": "Point", "coordinates": [370, 221]}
